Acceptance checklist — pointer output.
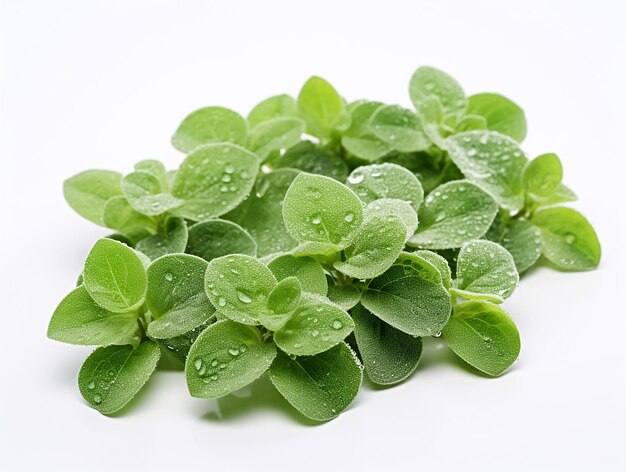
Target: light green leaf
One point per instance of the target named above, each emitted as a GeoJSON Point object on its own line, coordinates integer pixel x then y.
{"type": "Point", "coordinates": [80, 320]}
{"type": "Point", "coordinates": [346, 296]}
{"type": "Point", "coordinates": [440, 263]}
{"type": "Point", "coordinates": [493, 161]}
{"type": "Point", "coordinates": [376, 246]}
{"type": "Point", "coordinates": [285, 297]}
{"type": "Point", "coordinates": [321, 107]}
{"type": "Point", "coordinates": [410, 296]}
{"type": "Point", "coordinates": [120, 216]}
{"type": "Point", "coordinates": [275, 134]}
{"type": "Point", "coordinates": [569, 240]}
{"type": "Point", "coordinates": [111, 376]}
{"type": "Point", "coordinates": [157, 169]}
{"type": "Point", "coordinates": [145, 194]}
{"type": "Point", "coordinates": [238, 286]}
{"type": "Point", "coordinates": [214, 179]}
{"type": "Point", "coordinates": [315, 326]}
{"type": "Point", "coordinates": [215, 238]}
{"type": "Point", "coordinates": [176, 296]}
{"type": "Point", "coordinates": [523, 240]}
{"type": "Point", "coordinates": [358, 139]}
{"type": "Point", "coordinates": [485, 270]}
{"type": "Point", "coordinates": [391, 206]}
{"type": "Point", "coordinates": [430, 82]}
{"type": "Point", "coordinates": [309, 158]}
{"type": "Point", "coordinates": [452, 214]}
{"type": "Point", "coordinates": [174, 239]}
{"type": "Point", "coordinates": [502, 114]}
{"type": "Point", "coordinates": [114, 276]}
{"type": "Point", "coordinates": [322, 386]}
{"type": "Point", "coordinates": [273, 107]}
{"type": "Point", "coordinates": [210, 125]}
{"type": "Point", "coordinates": [261, 213]}
{"type": "Point", "coordinates": [484, 336]}
{"type": "Point", "coordinates": [89, 191]}
{"type": "Point", "coordinates": [319, 209]}
{"type": "Point", "coordinates": [562, 194]}
{"type": "Point", "coordinates": [307, 270]}
{"type": "Point", "coordinates": [227, 356]}
{"type": "Point", "coordinates": [178, 346]}
{"type": "Point", "coordinates": [542, 176]}
{"type": "Point", "coordinates": [399, 128]}
{"type": "Point", "coordinates": [386, 180]}
{"type": "Point", "coordinates": [389, 355]}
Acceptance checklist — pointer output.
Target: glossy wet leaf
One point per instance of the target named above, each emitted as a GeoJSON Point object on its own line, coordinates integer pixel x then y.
{"type": "Point", "coordinates": [120, 216]}
{"type": "Point", "coordinates": [359, 139]}
{"type": "Point", "coordinates": [501, 114]}
{"type": "Point", "coordinates": [210, 125]}
{"type": "Point", "coordinates": [386, 180]}
{"type": "Point", "coordinates": [409, 296]}
{"type": "Point", "coordinates": [173, 239]}
{"type": "Point", "coordinates": [307, 270]}
{"type": "Point", "coordinates": [285, 297]}
{"type": "Point", "coordinates": [524, 241]}
{"type": "Point", "coordinates": [492, 160]}
{"type": "Point", "coordinates": [389, 355]}
{"type": "Point", "coordinates": [430, 82]}
{"type": "Point", "coordinates": [376, 246]}
{"type": "Point", "coordinates": [115, 276]}
{"type": "Point", "coordinates": [391, 206]}
{"type": "Point", "coordinates": [440, 263]}
{"type": "Point", "coordinates": [274, 107]}
{"type": "Point", "coordinates": [315, 326]}
{"type": "Point", "coordinates": [78, 319]}
{"type": "Point", "coordinates": [111, 376]}
{"type": "Point", "coordinates": [275, 134]}
{"type": "Point", "coordinates": [569, 240]}
{"type": "Point", "coordinates": [346, 296]}
{"type": "Point", "coordinates": [542, 176]}
{"type": "Point", "coordinates": [310, 158]}
{"type": "Point", "coordinates": [214, 179]}
{"type": "Point", "coordinates": [145, 194]}
{"type": "Point", "coordinates": [178, 346]}
{"type": "Point", "coordinates": [238, 286]}
{"type": "Point", "coordinates": [176, 296]}
{"type": "Point", "coordinates": [89, 191]}
{"type": "Point", "coordinates": [227, 356]}
{"type": "Point", "coordinates": [399, 128]}
{"type": "Point", "coordinates": [485, 270]}
{"type": "Point", "coordinates": [319, 209]}
{"type": "Point", "coordinates": [321, 107]}
{"type": "Point", "coordinates": [215, 238]}
{"type": "Point", "coordinates": [484, 336]}
{"type": "Point", "coordinates": [320, 387]}
{"type": "Point", "coordinates": [454, 213]}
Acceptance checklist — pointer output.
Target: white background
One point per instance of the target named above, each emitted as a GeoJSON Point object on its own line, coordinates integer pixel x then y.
{"type": "Point", "coordinates": [94, 84]}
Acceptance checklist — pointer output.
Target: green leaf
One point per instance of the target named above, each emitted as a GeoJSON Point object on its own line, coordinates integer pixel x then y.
{"type": "Point", "coordinates": [144, 193]}
{"type": "Point", "coordinates": [569, 240]}
{"type": "Point", "coordinates": [120, 216]}
{"type": "Point", "coordinates": [309, 158]}
{"type": "Point", "coordinates": [273, 107]}
{"type": "Point", "coordinates": [176, 296]}
{"type": "Point", "coordinates": [410, 296]}
{"type": "Point", "coordinates": [306, 269]}
{"type": "Point", "coordinates": [178, 346]}
{"type": "Point", "coordinates": [562, 194]}
{"type": "Point", "coordinates": [210, 125]}
{"type": "Point", "coordinates": [285, 297]}
{"type": "Point", "coordinates": [88, 192]}
{"type": "Point", "coordinates": [440, 263]}
{"type": "Point", "coordinates": [452, 214]}
{"type": "Point", "coordinates": [321, 107]}
{"type": "Point", "coordinates": [115, 277]}
{"type": "Point", "coordinates": [430, 82]}
{"type": "Point", "coordinates": [275, 134]}
{"type": "Point", "coordinates": [261, 213]}
{"type": "Point", "coordinates": [484, 336]}
{"type": "Point", "coordinates": [399, 208]}
{"type": "Point", "coordinates": [399, 128]}
{"type": "Point", "coordinates": [80, 320]}
{"type": "Point", "coordinates": [485, 270]}
{"type": "Point", "coordinates": [111, 376]}
{"type": "Point", "coordinates": [227, 356]}
{"type": "Point", "coordinates": [376, 246]}
{"type": "Point", "coordinates": [386, 180]}
{"type": "Point", "coordinates": [321, 210]}
{"type": "Point", "coordinates": [155, 168]}
{"type": "Point", "coordinates": [322, 386]}
{"type": "Point", "coordinates": [315, 326]}
{"type": "Point", "coordinates": [359, 139]}
{"type": "Point", "coordinates": [542, 176]}
{"type": "Point", "coordinates": [523, 240]}
{"type": "Point", "coordinates": [215, 238]}
{"type": "Point", "coordinates": [389, 355]}
{"type": "Point", "coordinates": [471, 123]}
{"type": "Point", "coordinates": [346, 296]}
{"type": "Point", "coordinates": [502, 114]}
{"type": "Point", "coordinates": [174, 240]}
{"type": "Point", "coordinates": [493, 161]}
{"type": "Point", "coordinates": [214, 179]}
{"type": "Point", "coordinates": [238, 286]}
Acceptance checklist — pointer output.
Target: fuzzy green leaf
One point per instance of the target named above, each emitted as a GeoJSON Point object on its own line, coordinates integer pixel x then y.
{"type": "Point", "coordinates": [308, 157]}
{"type": "Point", "coordinates": [399, 128]}
{"type": "Point", "coordinates": [501, 114]}
{"type": "Point", "coordinates": [89, 191]}
{"type": "Point", "coordinates": [172, 241]}
{"type": "Point", "coordinates": [307, 270]}
{"type": "Point", "coordinates": [523, 240]}
{"type": "Point", "coordinates": [321, 107]}
{"type": "Point", "coordinates": [273, 107]}
{"type": "Point", "coordinates": [430, 82]}
{"type": "Point", "coordinates": [210, 125]}
{"type": "Point", "coordinates": [391, 206]}
{"type": "Point", "coordinates": [275, 134]}
{"type": "Point", "coordinates": [215, 238]}
{"type": "Point", "coordinates": [542, 176]}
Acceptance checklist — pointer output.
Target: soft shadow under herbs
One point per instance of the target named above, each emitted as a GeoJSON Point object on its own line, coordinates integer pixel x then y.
{"type": "Point", "coordinates": [259, 396]}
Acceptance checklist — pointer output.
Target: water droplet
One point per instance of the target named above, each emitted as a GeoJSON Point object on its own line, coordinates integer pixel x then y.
{"type": "Point", "coordinates": [337, 324]}
{"type": "Point", "coordinates": [223, 188]}
{"type": "Point", "coordinates": [233, 352]}
{"type": "Point", "coordinates": [221, 301]}
{"type": "Point", "coordinates": [97, 398]}
{"type": "Point", "coordinates": [440, 216]}
{"type": "Point", "coordinates": [227, 178]}
{"type": "Point", "coordinates": [243, 297]}
{"type": "Point", "coordinates": [570, 238]}
{"type": "Point", "coordinates": [91, 386]}
{"type": "Point", "coordinates": [315, 333]}
{"type": "Point", "coordinates": [214, 363]}
{"type": "Point", "coordinates": [349, 217]}
{"type": "Point", "coordinates": [229, 169]}
{"type": "Point", "coordinates": [472, 152]}
{"type": "Point", "coordinates": [198, 363]}
{"type": "Point", "coordinates": [356, 178]}
{"type": "Point", "coordinates": [316, 220]}
{"type": "Point", "coordinates": [169, 277]}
